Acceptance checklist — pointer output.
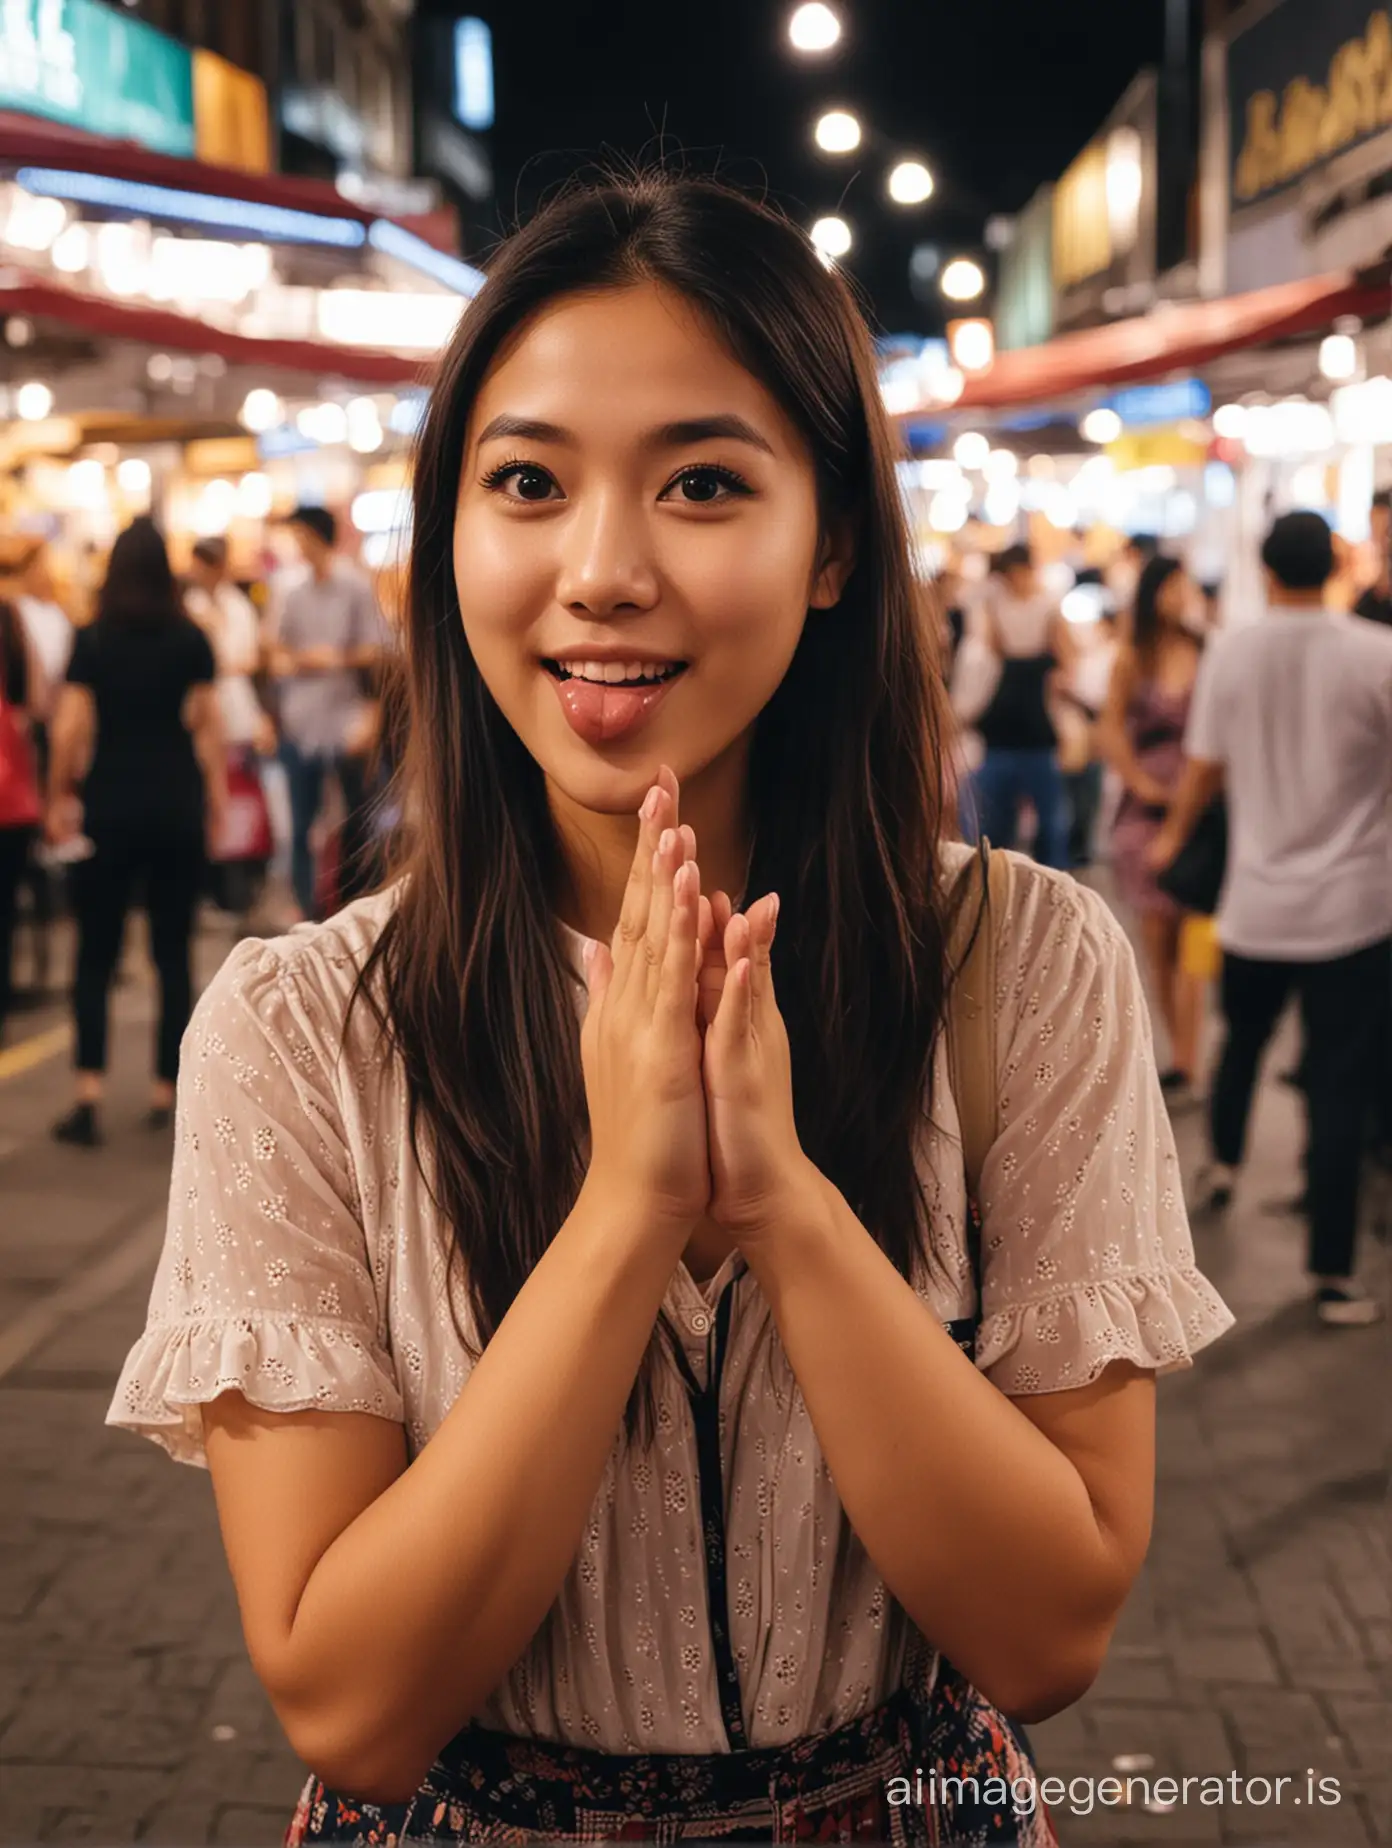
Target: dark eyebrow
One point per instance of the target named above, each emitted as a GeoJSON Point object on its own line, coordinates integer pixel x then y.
{"type": "Point", "coordinates": [679, 435]}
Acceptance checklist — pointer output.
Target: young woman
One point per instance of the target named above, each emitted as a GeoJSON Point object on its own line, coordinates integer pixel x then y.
{"type": "Point", "coordinates": [1143, 730]}
{"type": "Point", "coordinates": [561, 1247]}
{"type": "Point", "coordinates": [21, 700]}
{"type": "Point", "coordinates": [138, 736]}
{"type": "Point", "coordinates": [1025, 628]}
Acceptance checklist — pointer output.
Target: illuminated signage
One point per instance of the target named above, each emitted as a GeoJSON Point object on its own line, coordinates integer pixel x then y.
{"type": "Point", "coordinates": [473, 74]}
{"type": "Point", "coordinates": [90, 67]}
{"type": "Point", "coordinates": [1304, 83]}
{"type": "Point", "coordinates": [1161, 404]}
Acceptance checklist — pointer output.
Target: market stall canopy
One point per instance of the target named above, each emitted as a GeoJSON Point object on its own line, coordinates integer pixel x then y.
{"type": "Point", "coordinates": [1173, 337]}
{"type": "Point", "coordinates": [26, 141]}
{"type": "Point", "coordinates": [40, 299]}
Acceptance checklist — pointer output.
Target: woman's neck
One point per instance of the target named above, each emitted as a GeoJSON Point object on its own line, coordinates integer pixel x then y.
{"type": "Point", "coordinates": [598, 848]}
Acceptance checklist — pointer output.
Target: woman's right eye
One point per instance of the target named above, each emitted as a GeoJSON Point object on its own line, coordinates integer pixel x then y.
{"type": "Point", "coordinates": [533, 483]}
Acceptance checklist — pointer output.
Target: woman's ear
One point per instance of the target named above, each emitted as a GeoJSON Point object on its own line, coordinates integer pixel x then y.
{"type": "Point", "coordinates": [835, 562]}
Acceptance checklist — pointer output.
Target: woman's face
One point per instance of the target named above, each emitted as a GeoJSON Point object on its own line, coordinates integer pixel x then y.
{"type": "Point", "coordinates": [633, 504]}
{"type": "Point", "coordinates": [1177, 600]}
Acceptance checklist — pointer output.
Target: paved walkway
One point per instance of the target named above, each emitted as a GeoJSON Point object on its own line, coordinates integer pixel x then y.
{"type": "Point", "coordinates": [1257, 1643]}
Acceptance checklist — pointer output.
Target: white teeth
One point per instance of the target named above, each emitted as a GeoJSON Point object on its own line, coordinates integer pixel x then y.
{"type": "Point", "coordinates": [613, 672]}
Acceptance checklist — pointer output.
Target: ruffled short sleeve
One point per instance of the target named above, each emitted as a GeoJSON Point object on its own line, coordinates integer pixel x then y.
{"type": "Point", "coordinates": [1086, 1251]}
{"type": "Point", "coordinates": [264, 1283]}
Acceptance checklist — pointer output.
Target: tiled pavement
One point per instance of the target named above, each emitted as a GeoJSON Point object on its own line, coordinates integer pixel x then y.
{"type": "Point", "coordinates": [1257, 1641]}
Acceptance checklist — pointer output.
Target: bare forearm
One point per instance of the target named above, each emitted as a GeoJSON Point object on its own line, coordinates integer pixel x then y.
{"type": "Point", "coordinates": [982, 1529]}
{"type": "Point", "coordinates": [67, 761]}
{"type": "Point", "coordinates": [210, 748]}
{"type": "Point", "coordinates": [444, 1580]}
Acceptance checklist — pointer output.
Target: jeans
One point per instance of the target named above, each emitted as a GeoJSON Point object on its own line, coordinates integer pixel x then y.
{"type": "Point", "coordinates": [305, 772]}
{"type": "Point", "coordinates": [1084, 792]}
{"type": "Point", "coordinates": [1340, 1003]}
{"type": "Point", "coordinates": [170, 868]}
{"type": "Point", "coordinates": [1005, 779]}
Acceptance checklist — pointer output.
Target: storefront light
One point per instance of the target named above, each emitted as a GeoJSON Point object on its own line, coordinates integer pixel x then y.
{"type": "Point", "coordinates": [1100, 426]}
{"type": "Point", "coordinates": [948, 513]}
{"type": "Point", "coordinates": [381, 510]}
{"type": "Point", "coordinates": [33, 401]}
{"type": "Point", "coordinates": [1230, 421]}
{"type": "Point", "coordinates": [215, 509]}
{"type": "Point", "coordinates": [33, 223]}
{"type": "Point", "coordinates": [832, 236]}
{"type": "Point", "coordinates": [1293, 427]}
{"type": "Point", "coordinates": [1041, 468]}
{"type": "Point", "coordinates": [276, 223]}
{"type": "Point", "coordinates": [1363, 412]}
{"type": "Point", "coordinates": [971, 450]}
{"type": "Point", "coordinates": [255, 496]}
{"type": "Point", "coordinates": [1002, 502]}
{"type": "Point", "coordinates": [388, 318]}
{"type": "Point", "coordinates": [972, 345]}
{"type": "Point", "coordinates": [1060, 507]}
{"type": "Point", "coordinates": [85, 486]}
{"type": "Point", "coordinates": [323, 423]}
{"type": "Point", "coordinates": [1124, 185]}
{"type": "Point", "coordinates": [1338, 357]}
{"type": "Point", "coordinates": [193, 269]}
{"type": "Point", "coordinates": [364, 427]}
{"type": "Point", "coordinates": [1310, 486]}
{"type": "Point", "coordinates": [963, 280]}
{"type": "Point", "coordinates": [121, 261]}
{"type": "Point", "coordinates": [72, 252]}
{"type": "Point", "coordinates": [262, 410]}
{"type": "Point", "coordinates": [1001, 465]}
{"type": "Point", "coordinates": [133, 475]}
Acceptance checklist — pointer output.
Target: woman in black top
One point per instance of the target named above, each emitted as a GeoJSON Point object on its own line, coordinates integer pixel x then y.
{"type": "Point", "coordinates": [137, 734]}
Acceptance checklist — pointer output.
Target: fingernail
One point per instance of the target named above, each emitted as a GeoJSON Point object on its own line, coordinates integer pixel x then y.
{"type": "Point", "coordinates": [650, 801]}
{"type": "Point", "coordinates": [773, 908]}
{"type": "Point", "coordinates": [665, 839]}
{"type": "Point", "coordinates": [587, 954]}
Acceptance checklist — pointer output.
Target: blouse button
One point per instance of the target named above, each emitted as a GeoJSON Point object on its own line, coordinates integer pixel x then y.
{"type": "Point", "coordinates": [700, 1322]}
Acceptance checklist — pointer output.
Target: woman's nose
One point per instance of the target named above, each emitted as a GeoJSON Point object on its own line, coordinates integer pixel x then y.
{"type": "Point", "coordinates": [606, 559]}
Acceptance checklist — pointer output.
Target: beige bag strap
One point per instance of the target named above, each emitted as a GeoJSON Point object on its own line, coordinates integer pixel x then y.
{"type": "Point", "coordinates": [971, 1007]}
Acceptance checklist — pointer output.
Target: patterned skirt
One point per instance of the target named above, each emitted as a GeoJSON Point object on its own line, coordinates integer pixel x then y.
{"type": "Point", "coordinates": [944, 1771]}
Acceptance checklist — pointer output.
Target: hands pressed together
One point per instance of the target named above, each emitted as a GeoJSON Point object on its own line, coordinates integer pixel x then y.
{"type": "Point", "coordinates": [685, 1054]}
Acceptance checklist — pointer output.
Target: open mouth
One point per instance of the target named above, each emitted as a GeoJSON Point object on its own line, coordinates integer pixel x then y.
{"type": "Point", "coordinates": [631, 676]}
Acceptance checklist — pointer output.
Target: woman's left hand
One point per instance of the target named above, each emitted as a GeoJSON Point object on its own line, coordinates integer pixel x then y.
{"type": "Point", "coordinates": [759, 1172]}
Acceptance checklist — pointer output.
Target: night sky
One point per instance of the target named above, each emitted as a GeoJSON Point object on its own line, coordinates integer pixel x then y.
{"type": "Point", "coordinates": [996, 96]}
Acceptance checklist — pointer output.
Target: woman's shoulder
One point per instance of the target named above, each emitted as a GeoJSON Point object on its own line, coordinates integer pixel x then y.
{"type": "Point", "coordinates": [297, 987]}
{"type": "Point", "coordinates": [1049, 922]}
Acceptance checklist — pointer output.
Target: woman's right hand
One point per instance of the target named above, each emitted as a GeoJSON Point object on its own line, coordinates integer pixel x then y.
{"type": "Point", "coordinates": [640, 1046]}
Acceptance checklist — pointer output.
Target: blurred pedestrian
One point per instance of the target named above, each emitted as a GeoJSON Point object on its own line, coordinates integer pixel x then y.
{"type": "Point", "coordinates": [228, 618]}
{"type": "Point", "coordinates": [1143, 731]}
{"type": "Point", "coordinates": [330, 645]}
{"type": "Point", "coordinates": [1375, 604]}
{"type": "Point", "coordinates": [1025, 629]}
{"type": "Point", "coordinates": [1293, 715]}
{"type": "Point", "coordinates": [47, 625]}
{"type": "Point", "coordinates": [138, 736]}
{"type": "Point", "coordinates": [19, 784]}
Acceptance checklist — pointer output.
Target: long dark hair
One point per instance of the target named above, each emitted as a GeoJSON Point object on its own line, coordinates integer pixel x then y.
{"type": "Point", "coordinates": [14, 656]}
{"type": "Point", "coordinates": [469, 978]}
{"type": "Point", "coordinates": [1146, 621]}
{"type": "Point", "coordinates": [140, 586]}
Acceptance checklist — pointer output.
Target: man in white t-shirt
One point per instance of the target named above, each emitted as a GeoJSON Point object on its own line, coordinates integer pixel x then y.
{"type": "Point", "coordinates": [1293, 716]}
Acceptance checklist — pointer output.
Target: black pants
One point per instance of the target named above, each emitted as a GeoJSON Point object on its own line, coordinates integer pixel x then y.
{"type": "Point", "coordinates": [1341, 1004]}
{"type": "Point", "coordinates": [169, 867]}
{"type": "Point", "coordinates": [14, 856]}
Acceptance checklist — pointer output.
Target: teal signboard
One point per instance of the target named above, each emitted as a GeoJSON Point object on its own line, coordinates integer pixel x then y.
{"type": "Point", "coordinates": [80, 63]}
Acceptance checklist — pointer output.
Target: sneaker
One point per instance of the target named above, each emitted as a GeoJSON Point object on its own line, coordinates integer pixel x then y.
{"type": "Point", "coordinates": [1213, 1191]}
{"type": "Point", "coordinates": [79, 1126]}
{"type": "Point", "coordinates": [1346, 1304]}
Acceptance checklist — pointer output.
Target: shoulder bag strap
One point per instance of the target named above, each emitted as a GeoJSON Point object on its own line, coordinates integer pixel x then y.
{"type": "Point", "coordinates": [971, 1011]}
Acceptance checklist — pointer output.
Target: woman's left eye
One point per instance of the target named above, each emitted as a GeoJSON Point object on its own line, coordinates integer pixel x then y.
{"type": "Point", "coordinates": [708, 485]}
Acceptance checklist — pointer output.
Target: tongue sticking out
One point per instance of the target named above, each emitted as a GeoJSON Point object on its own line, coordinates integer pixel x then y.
{"type": "Point", "coordinates": [601, 713]}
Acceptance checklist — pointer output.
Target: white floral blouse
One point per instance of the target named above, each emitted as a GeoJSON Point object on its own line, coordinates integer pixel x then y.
{"type": "Point", "coordinates": [305, 1266]}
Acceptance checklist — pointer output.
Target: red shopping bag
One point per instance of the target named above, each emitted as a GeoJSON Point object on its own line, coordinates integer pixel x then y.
{"type": "Point", "coordinates": [246, 832]}
{"type": "Point", "coordinates": [19, 779]}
